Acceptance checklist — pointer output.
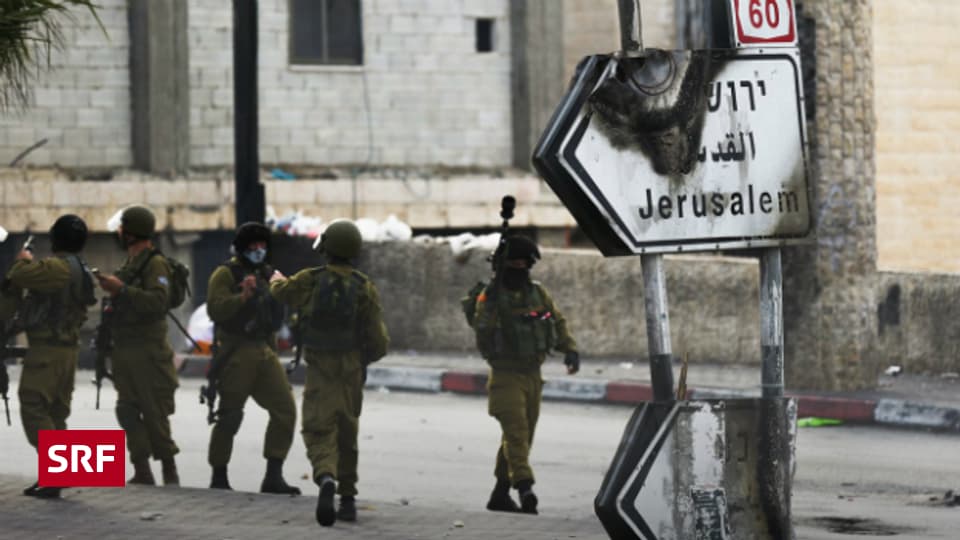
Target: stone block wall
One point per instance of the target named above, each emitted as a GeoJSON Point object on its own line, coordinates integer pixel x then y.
{"type": "Point", "coordinates": [423, 96]}
{"type": "Point", "coordinates": [830, 286]}
{"type": "Point", "coordinates": [33, 198]}
{"type": "Point", "coordinates": [592, 27]}
{"type": "Point", "coordinates": [918, 151]}
{"type": "Point", "coordinates": [82, 104]}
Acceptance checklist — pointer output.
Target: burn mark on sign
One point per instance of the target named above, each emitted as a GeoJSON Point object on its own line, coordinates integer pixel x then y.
{"type": "Point", "coordinates": [657, 104]}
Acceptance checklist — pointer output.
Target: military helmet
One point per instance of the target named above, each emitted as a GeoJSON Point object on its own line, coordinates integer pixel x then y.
{"type": "Point", "coordinates": [68, 233]}
{"type": "Point", "coordinates": [249, 233]}
{"type": "Point", "coordinates": [138, 221]}
{"type": "Point", "coordinates": [341, 239]}
{"type": "Point", "coordinates": [521, 247]}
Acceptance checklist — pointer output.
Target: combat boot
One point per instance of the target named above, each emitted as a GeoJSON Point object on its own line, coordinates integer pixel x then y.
{"type": "Point", "coordinates": [142, 473]}
{"type": "Point", "coordinates": [500, 499]}
{"type": "Point", "coordinates": [42, 492]}
{"type": "Point", "coordinates": [528, 499]}
{"type": "Point", "coordinates": [219, 478]}
{"type": "Point", "coordinates": [326, 515]}
{"type": "Point", "coordinates": [170, 476]}
{"type": "Point", "coordinates": [348, 508]}
{"type": "Point", "coordinates": [273, 481]}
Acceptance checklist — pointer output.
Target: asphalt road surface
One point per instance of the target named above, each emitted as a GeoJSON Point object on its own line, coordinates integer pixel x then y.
{"type": "Point", "coordinates": [436, 451]}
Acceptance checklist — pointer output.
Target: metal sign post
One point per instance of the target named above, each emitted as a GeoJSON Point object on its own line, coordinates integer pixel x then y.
{"type": "Point", "coordinates": [654, 280]}
{"type": "Point", "coordinates": [657, 151]}
{"type": "Point", "coordinates": [771, 323]}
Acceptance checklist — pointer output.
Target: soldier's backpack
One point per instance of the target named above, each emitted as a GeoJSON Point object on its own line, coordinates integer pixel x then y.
{"type": "Point", "coordinates": [330, 316]}
{"type": "Point", "coordinates": [179, 287]}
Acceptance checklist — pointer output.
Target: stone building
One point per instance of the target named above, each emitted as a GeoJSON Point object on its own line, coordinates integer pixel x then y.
{"type": "Point", "coordinates": [428, 109]}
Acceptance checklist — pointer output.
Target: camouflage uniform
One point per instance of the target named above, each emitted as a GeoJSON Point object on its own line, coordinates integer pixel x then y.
{"type": "Point", "coordinates": [333, 395]}
{"type": "Point", "coordinates": [514, 337]}
{"type": "Point", "coordinates": [142, 358]}
{"type": "Point", "coordinates": [46, 385]}
{"type": "Point", "coordinates": [251, 367]}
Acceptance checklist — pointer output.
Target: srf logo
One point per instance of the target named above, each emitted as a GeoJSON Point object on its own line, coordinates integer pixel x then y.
{"type": "Point", "coordinates": [81, 458]}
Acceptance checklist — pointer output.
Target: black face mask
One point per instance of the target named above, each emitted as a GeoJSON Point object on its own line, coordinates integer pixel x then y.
{"type": "Point", "coordinates": [515, 278]}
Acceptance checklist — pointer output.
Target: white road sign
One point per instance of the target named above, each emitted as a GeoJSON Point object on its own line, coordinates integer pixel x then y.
{"type": "Point", "coordinates": [695, 151]}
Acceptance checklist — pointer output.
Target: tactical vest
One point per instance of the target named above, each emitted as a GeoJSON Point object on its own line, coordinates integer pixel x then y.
{"type": "Point", "coordinates": [124, 312]}
{"type": "Point", "coordinates": [527, 329]}
{"type": "Point", "coordinates": [57, 316]}
{"type": "Point", "coordinates": [330, 317]}
{"type": "Point", "coordinates": [260, 317]}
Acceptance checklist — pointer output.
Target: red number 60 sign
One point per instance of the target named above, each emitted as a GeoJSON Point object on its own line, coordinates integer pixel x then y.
{"type": "Point", "coordinates": [764, 22]}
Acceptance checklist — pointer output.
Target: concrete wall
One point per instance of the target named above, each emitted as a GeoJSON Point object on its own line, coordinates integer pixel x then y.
{"type": "Point", "coordinates": [432, 99]}
{"type": "Point", "coordinates": [918, 120]}
{"type": "Point", "coordinates": [714, 307]}
{"type": "Point", "coordinates": [713, 301]}
{"type": "Point", "coordinates": [34, 198]}
{"type": "Point", "coordinates": [592, 27]}
{"type": "Point", "coordinates": [917, 319]}
{"type": "Point", "coordinates": [82, 104]}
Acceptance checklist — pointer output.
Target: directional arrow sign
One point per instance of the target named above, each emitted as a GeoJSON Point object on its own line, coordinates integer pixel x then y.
{"type": "Point", "coordinates": [682, 151]}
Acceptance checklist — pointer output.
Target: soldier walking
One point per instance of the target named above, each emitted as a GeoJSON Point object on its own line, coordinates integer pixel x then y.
{"type": "Point", "coordinates": [342, 330]}
{"type": "Point", "coordinates": [246, 318]}
{"type": "Point", "coordinates": [50, 298]}
{"type": "Point", "coordinates": [142, 358]}
{"type": "Point", "coordinates": [517, 324]}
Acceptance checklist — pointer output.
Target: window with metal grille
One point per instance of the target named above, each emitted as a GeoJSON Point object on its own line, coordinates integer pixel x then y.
{"type": "Point", "coordinates": [326, 32]}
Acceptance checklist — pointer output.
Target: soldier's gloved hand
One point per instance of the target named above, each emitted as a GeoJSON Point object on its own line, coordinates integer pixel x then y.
{"type": "Point", "coordinates": [572, 361]}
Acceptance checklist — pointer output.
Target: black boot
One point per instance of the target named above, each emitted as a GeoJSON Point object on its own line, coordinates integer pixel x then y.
{"type": "Point", "coordinates": [273, 481]}
{"type": "Point", "coordinates": [142, 473]}
{"type": "Point", "coordinates": [348, 508]}
{"type": "Point", "coordinates": [170, 475]}
{"type": "Point", "coordinates": [326, 515]}
{"type": "Point", "coordinates": [219, 478]}
{"type": "Point", "coordinates": [42, 492]}
{"type": "Point", "coordinates": [500, 500]}
{"type": "Point", "coordinates": [528, 499]}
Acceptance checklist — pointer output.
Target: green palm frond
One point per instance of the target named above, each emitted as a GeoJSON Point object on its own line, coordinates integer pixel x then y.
{"type": "Point", "coordinates": [29, 29]}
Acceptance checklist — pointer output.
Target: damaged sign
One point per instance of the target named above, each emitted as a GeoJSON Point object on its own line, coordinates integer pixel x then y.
{"type": "Point", "coordinates": [682, 151]}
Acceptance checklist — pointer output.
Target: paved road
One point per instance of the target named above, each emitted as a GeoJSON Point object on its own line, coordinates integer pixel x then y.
{"type": "Point", "coordinates": [428, 458]}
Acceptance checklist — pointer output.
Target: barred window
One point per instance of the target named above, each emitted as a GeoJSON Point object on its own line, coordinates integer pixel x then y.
{"type": "Point", "coordinates": [326, 32]}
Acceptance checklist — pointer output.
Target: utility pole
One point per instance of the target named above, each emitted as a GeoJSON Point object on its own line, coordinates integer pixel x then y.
{"type": "Point", "coordinates": [250, 204]}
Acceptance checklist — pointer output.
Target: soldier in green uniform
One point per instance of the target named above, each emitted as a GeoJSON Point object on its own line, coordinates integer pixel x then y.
{"type": "Point", "coordinates": [246, 318]}
{"type": "Point", "coordinates": [342, 330]}
{"type": "Point", "coordinates": [142, 358]}
{"type": "Point", "coordinates": [59, 290]}
{"type": "Point", "coordinates": [517, 324]}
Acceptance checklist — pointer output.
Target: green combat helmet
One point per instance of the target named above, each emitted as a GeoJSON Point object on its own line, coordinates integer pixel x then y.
{"type": "Point", "coordinates": [341, 239]}
{"type": "Point", "coordinates": [138, 221]}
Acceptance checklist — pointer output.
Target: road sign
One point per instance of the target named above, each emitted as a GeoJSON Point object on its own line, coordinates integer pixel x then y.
{"type": "Point", "coordinates": [711, 470]}
{"type": "Point", "coordinates": [764, 23]}
{"type": "Point", "coordinates": [682, 151]}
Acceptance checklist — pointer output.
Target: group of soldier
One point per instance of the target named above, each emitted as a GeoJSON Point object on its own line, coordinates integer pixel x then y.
{"type": "Point", "coordinates": [340, 328]}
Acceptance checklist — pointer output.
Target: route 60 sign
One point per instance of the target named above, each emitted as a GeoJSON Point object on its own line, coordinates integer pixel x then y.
{"type": "Point", "coordinates": [764, 23]}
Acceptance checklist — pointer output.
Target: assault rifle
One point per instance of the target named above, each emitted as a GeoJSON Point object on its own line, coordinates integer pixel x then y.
{"type": "Point", "coordinates": [103, 345]}
{"type": "Point", "coordinates": [9, 351]}
{"type": "Point", "coordinates": [497, 260]}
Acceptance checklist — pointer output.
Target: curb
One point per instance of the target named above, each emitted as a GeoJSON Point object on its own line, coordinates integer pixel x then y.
{"type": "Point", "coordinates": [888, 412]}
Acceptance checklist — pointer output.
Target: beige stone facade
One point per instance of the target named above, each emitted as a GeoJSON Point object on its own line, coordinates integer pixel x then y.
{"type": "Point", "coordinates": [916, 74]}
